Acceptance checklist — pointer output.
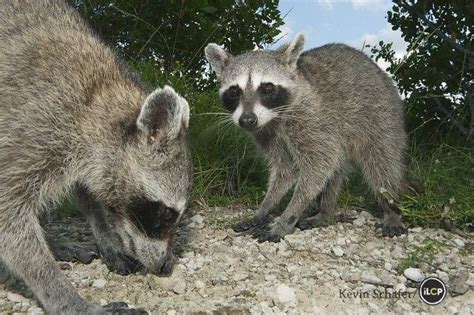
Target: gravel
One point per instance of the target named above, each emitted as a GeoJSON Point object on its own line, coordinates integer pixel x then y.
{"type": "Point", "coordinates": [335, 269]}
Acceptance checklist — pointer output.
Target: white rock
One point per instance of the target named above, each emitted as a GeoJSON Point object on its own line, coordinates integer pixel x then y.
{"type": "Point", "coordinates": [388, 266]}
{"type": "Point", "coordinates": [458, 242]}
{"type": "Point", "coordinates": [180, 287]}
{"type": "Point", "coordinates": [285, 294]}
{"type": "Point", "coordinates": [16, 298]}
{"type": "Point", "coordinates": [171, 312]}
{"type": "Point", "coordinates": [442, 275]}
{"type": "Point", "coordinates": [35, 310]}
{"type": "Point", "coordinates": [359, 221]}
{"type": "Point", "coordinates": [337, 251]}
{"type": "Point", "coordinates": [416, 230]}
{"type": "Point", "coordinates": [198, 219]}
{"type": "Point", "coordinates": [99, 283]}
{"type": "Point", "coordinates": [414, 274]}
{"type": "Point", "coordinates": [366, 215]}
{"type": "Point", "coordinates": [199, 284]}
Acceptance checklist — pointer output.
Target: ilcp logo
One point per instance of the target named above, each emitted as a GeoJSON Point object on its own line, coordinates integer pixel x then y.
{"type": "Point", "coordinates": [432, 291]}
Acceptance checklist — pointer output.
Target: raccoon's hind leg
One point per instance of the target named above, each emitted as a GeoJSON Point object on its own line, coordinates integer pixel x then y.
{"type": "Point", "coordinates": [110, 245]}
{"type": "Point", "coordinates": [384, 169]}
{"type": "Point", "coordinates": [327, 204]}
{"type": "Point", "coordinates": [24, 251]}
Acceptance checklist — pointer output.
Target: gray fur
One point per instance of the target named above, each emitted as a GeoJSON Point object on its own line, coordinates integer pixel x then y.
{"type": "Point", "coordinates": [335, 107]}
{"type": "Point", "coordinates": [74, 120]}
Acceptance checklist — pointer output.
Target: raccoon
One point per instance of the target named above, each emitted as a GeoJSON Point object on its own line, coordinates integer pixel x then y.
{"type": "Point", "coordinates": [75, 120]}
{"type": "Point", "coordinates": [312, 113]}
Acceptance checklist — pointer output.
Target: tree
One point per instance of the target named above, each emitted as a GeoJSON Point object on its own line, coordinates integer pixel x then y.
{"type": "Point", "coordinates": [173, 34]}
{"type": "Point", "coordinates": [436, 75]}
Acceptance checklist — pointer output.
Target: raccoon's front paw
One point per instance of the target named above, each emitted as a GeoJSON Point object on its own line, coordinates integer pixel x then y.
{"type": "Point", "coordinates": [117, 308]}
{"type": "Point", "coordinates": [391, 229]}
{"type": "Point", "coordinates": [250, 225]}
{"type": "Point", "coordinates": [274, 233]}
{"type": "Point", "coordinates": [120, 262]}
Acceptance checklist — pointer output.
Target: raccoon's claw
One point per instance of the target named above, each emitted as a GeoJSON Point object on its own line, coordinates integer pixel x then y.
{"type": "Point", "coordinates": [119, 308]}
{"type": "Point", "coordinates": [250, 225]}
{"type": "Point", "coordinates": [318, 220]}
{"type": "Point", "coordinates": [391, 230]}
{"type": "Point", "coordinates": [73, 252]}
{"type": "Point", "coordinates": [274, 234]}
{"type": "Point", "coordinates": [120, 263]}
{"type": "Point", "coordinates": [268, 236]}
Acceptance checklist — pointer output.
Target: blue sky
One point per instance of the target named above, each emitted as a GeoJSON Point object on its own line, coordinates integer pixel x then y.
{"type": "Point", "coordinates": [345, 21]}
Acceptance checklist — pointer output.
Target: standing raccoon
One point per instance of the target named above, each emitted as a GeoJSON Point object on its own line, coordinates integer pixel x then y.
{"type": "Point", "coordinates": [312, 113]}
{"type": "Point", "coordinates": [74, 120]}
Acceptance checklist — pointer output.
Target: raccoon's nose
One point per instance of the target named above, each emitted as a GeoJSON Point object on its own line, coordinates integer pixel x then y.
{"type": "Point", "coordinates": [248, 120]}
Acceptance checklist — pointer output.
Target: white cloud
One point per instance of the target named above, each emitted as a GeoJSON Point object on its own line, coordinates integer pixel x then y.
{"type": "Point", "coordinates": [328, 4]}
{"type": "Point", "coordinates": [387, 35]}
{"type": "Point", "coordinates": [371, 4]}
{"type": "Point", "coordinates": [366, 4]}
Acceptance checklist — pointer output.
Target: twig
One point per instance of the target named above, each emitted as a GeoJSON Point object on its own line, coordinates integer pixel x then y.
{"type": "Point", "coordinates": [455, 122]}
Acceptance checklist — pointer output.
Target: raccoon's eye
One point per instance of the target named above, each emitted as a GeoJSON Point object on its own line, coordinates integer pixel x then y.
{"type": "Point", "coordinates": [168, 214]}
{"type": "Point", "coordinates": [234, 92]}
{"type": "Point", "coordinates": [230, 98]}
{"type": "Point", "coordinates": [267, 88]}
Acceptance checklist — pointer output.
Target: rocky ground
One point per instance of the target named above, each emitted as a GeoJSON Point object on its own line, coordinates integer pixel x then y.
{"type": "Point", "coordinates": [344, 268]}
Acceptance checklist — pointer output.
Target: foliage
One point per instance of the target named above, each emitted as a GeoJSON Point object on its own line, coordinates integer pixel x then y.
{"type": "Point", "coordinates": [423, 253]}
{"type": "Point", "coordinates": [173, 34]}
{"type": "Point", "coordinates": [437, 74]}
{"type": "Point", "coordinates": [447, 173]}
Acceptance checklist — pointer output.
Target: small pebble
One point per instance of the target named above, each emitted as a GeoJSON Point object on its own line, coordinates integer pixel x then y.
{"type": "Point", "coordinates": [285, 294]}
{"type": "Point", "coordinates": [180, 287]}
{"type": "Point", "coordinates": [337, 251]}
{"type": "Point", "coordinates": [198, 219]}
{"type": "Point", "coordinates": [414, 274]}
{"type": "Point", "coordinates": [359, 221]}
{"type": "Point", "coordinates": [16, 298]}
{"type": "Point", "coordinates": [99, 283]}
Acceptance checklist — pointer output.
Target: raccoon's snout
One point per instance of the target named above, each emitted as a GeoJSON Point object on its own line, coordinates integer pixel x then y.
{"type": "Point", "coordinates": [166, 269]}
{"type": "Point", "coordinates": [248, 121]}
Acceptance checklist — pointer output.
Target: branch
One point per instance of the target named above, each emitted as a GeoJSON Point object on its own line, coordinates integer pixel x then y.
{"type": "Point", "coordinates": [454, 121]}
{"type": "Point", "coordinates": [435, 29]}
{"type": "Point", "coordinates": [446, 38]}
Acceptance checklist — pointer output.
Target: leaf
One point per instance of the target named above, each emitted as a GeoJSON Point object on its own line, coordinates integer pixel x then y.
{"type": "Point", "coordinates": [209, 9]}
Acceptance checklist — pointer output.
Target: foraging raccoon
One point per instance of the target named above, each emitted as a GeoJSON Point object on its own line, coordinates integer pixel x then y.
{"type": "Point", "coordinates": [312, 113]}
{"type": "Point", "coordinates": [73, 119]}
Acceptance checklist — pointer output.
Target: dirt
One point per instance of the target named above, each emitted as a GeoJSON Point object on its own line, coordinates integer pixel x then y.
{"type": "Point", "coordinates": [344, 268]}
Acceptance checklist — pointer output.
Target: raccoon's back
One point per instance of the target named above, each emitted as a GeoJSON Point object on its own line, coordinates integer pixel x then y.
{"type": "Point", "coordinates": [50, 65]}
{"type": "Point", "coordinates": [345, 73]}
{"type": "Point", "coordinates": [48, 56]}
{"type": "Point", "coordinates": [352, 86]}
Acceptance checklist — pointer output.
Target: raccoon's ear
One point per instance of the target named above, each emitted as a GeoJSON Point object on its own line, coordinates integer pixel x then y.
{"type": "Point", "coordinates": [217, 57]}
{"type": "Point", "coordinates": [164, 113]}
{"type": "Point", "coordinates": [292, 51]}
